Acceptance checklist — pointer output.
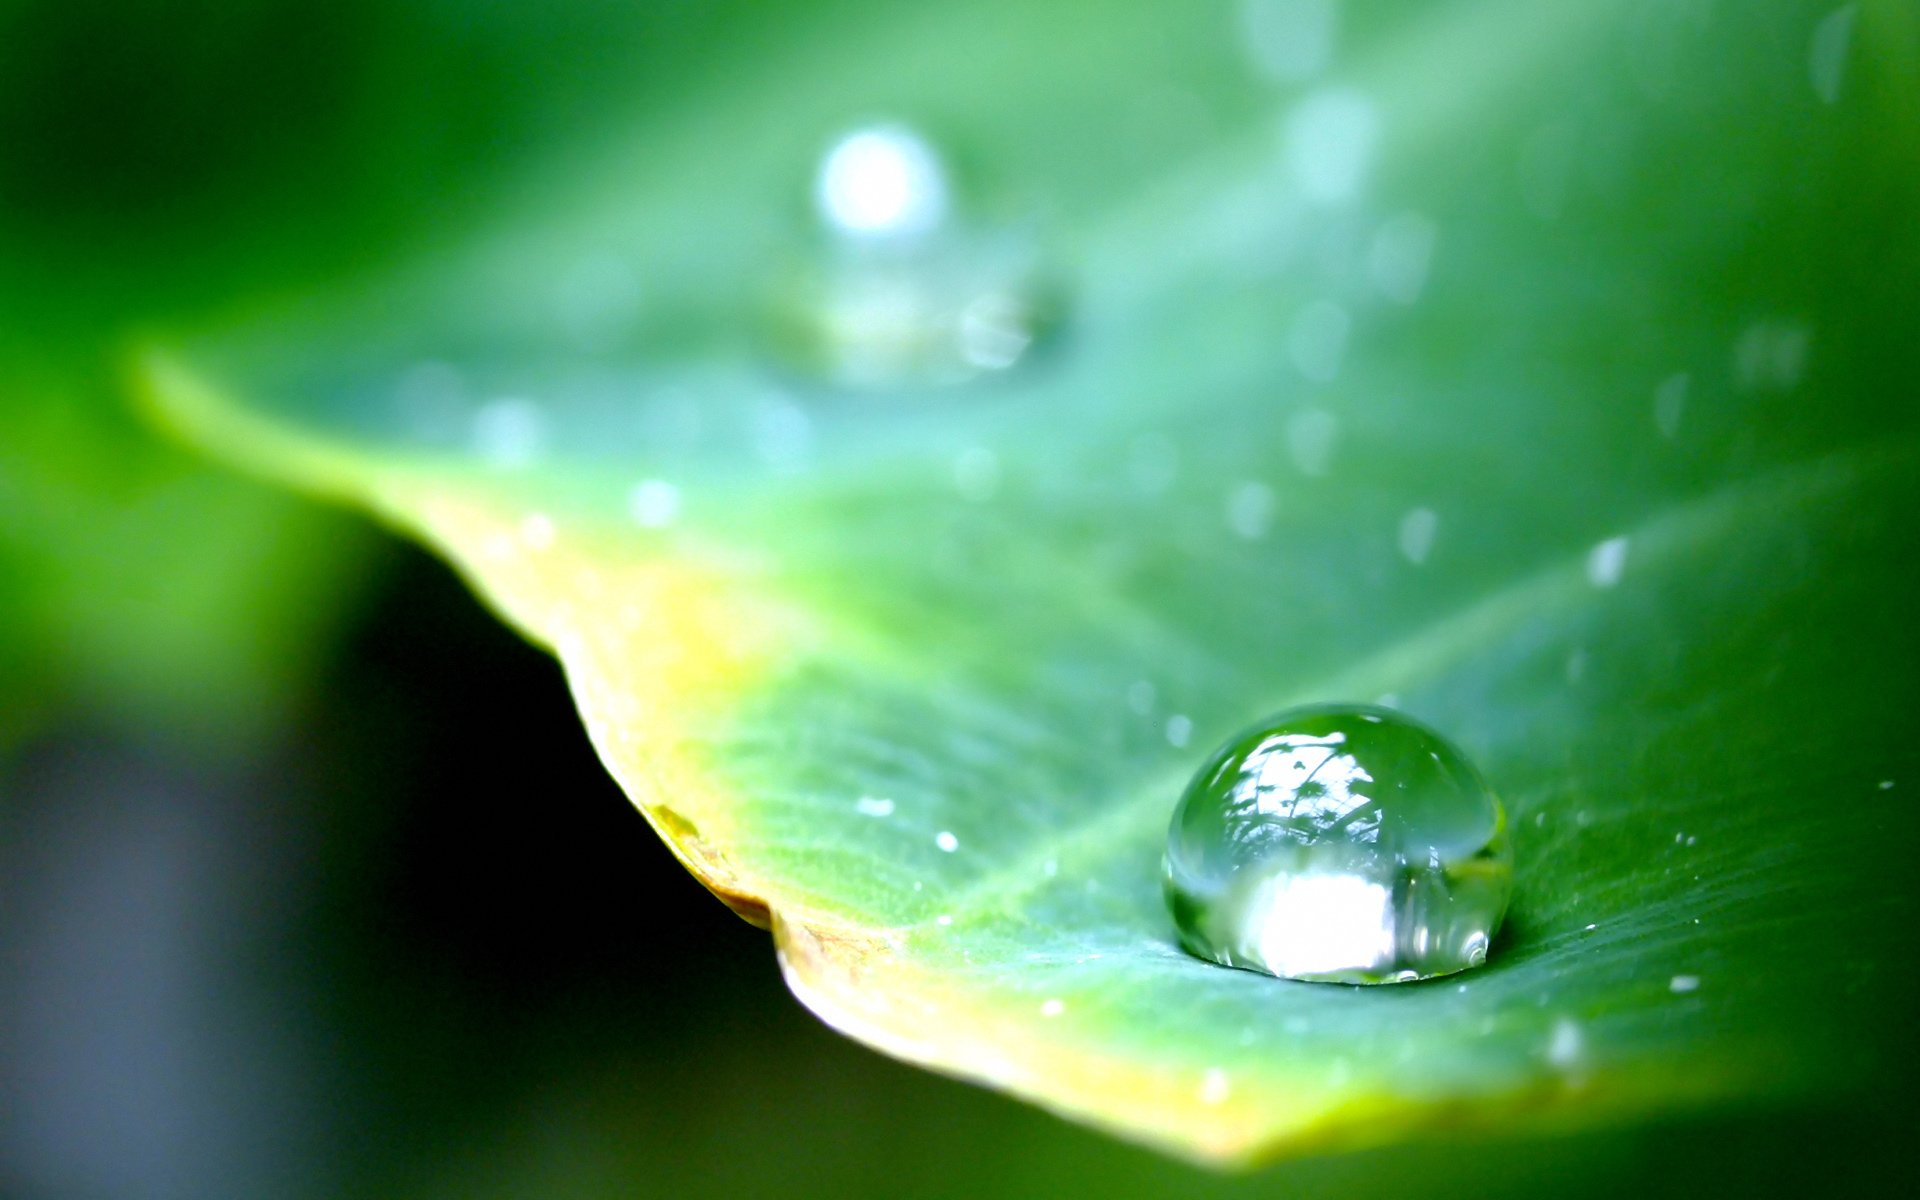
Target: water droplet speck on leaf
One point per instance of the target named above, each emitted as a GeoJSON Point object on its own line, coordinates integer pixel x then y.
{"type": "Point", "coordinates": [1341, 844]}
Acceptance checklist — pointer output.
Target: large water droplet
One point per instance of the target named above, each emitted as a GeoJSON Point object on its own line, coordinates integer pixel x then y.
{"type": "Point", "coordinates": [1340, 843]}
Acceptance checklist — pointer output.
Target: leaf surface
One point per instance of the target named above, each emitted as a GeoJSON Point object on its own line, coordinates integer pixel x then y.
{"type": "Point", "coordinates": [1538, 372]}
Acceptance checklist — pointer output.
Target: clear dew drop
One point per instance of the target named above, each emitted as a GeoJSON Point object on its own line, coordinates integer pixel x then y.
{"type": "Point", "coordinates": [1341, 844]}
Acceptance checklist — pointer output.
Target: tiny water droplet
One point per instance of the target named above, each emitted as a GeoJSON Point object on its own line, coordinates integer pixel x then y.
{"type": "Point", "coordinates": [1052, 1008]}
{"type": "Point", "coordinates": [1339, 843]}
{"type": "Point", "coordinates": [1681, 984]}
{"type": "Point", "coordinates": [873, 806]}
{"type": "Point", "coordinates": [946, 841]}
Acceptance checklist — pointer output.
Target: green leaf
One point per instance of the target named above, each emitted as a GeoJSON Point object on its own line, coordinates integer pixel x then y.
{"type": "Point", "coordinates": [1542, 372]}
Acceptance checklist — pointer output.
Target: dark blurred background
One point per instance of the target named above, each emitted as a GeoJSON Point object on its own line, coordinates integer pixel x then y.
{"type": "Point", "coordinates": [423, 947]}
{"type": "Point", "coordinates": [309, 882]}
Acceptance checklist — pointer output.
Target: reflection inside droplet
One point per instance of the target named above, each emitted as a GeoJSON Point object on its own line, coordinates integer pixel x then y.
{"type": "Point", "coordinates": [1343, 843]}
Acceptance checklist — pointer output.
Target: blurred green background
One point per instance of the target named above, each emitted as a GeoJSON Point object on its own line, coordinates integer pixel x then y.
{"type": "Point", "coordinates": [309, 883]}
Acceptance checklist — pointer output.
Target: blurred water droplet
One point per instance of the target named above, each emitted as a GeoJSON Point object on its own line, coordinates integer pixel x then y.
{"type": "Point", "coordinates": [1670, 403]}
{"type": "Point", "coordinates": [873, 806]}
{"type": "Point", "coordinates": [1310, 436]}
{"type": "Point", "coordinates": [1606, 562]}
{"type": "Point", "coordinates": [1417, 531]}
{"type": "Point", "coordinates": [1827, 55]}
{"type": "Point", "coordinates": [1289, 40]}
{"type": "Point", "coordinates": [1317, 342]}
{"type": "Point", "coordinates": [907, 294]}
{"type": "Point", "coordinates": [509, 432]}
{"type": "Point", "coordinates": [882, 182]}
{"type": "Point", "coordinates": [1400, 256]}
{"type": "Point", "coordinates": [1681, 984]}
{"type": "Point", "coordinates": [1179, 730]}
{"type": "Point", "coordinates": [653, 503]}
{"type": "Point", "coordinates": [1328, 142]}
{"type": "Point", "coordinates": [946, 841]}
{"type": "Point", "coordinates": [1250, 509]}
{"type": "Point", "coordinates": [1566, 1046]}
